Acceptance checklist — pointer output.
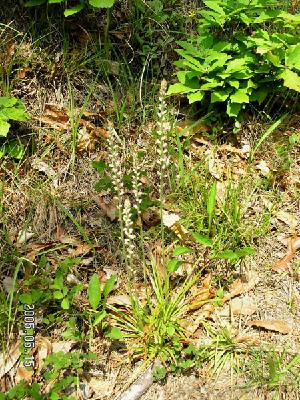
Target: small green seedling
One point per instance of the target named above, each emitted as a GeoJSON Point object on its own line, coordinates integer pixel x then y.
{"type": "Point", "coordinates": [11, 109]}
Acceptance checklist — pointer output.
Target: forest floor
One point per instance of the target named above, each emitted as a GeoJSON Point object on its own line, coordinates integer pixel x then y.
{"type": "Point", "coordinates": [51, 212]}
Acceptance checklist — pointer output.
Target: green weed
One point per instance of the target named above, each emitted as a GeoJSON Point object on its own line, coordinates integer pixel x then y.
{"type": "Point", "coordinates": [257, 43]}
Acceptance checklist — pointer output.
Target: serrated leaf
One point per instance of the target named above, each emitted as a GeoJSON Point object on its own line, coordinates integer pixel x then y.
{"type": "Point", "coordinates": [196, 96]}
{"type": "Point", "coordinates": [290, 79]}
{"type": "Point", "coordinates": [73, 10]}
{"type": "Point", "coordinates": [109, 285]}
{"type": "Point", "coordinates": [99, 317]}
{"type": "Point", "coordinates": [173, 265]}
{"type": "Point", "coordinates": [94, 291]}
{"type": "Point", "coordinates": [6, 101]}
{"type": "Point", "coordinates": [218, 96]}
{"type": "Point", "coordinates": [180, 88]}
{"type": "Point", "coordinates": [240, 96]}
{"type": "Point", "coordinates": [292, 56]}
{"type": "Point", "coordinates": [4, 128]}
{"type": "Point", "coordinates": [102, 3]}
{"type": "Point", "coordinates": [114, 334]}
{"type": "Point", "coordinates": [179, 250]}
{"type": "Point", "coordinates": [204, 240]}
{"type": "Point", "coordinates": [16, 114]}
{"type": "Point", "coordinates": [233, 109]}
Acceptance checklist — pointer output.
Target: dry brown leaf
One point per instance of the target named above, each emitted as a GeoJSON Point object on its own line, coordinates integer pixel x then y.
{"type": "Point", "coordinates": [58, 117]}
{"type": "Point", "coordinates": [81, 249]}
{"type": "Point", "coordinates": [35, 248]}
{"type": "Point", "coordinates": [288, 219]}
{"type": "Point", "coordinates": [8, 360]}
{"type": "Point", "coordinates": [238, 286]}
{"type": "Point", "coordinates": [108, 205]}
{"type": "Point", "coordinates": [23, 374]}
{"type": "Point", "coordinates": [42, 349]}
{"type": "Point", "coordinates": [119, 300]}
{"type": "Point", "coordinates": [271, 325]}
{"type": "Point", "coordinates": [293, 244]}
{"type": "Point", "coordinates": [151, 217]}
{"type": "Point", "coordinates": [207, 281]}
{"type": "Point", "coordinates": [242, 306]}
{"type": "Point", "coordinates": [263, 167]}
{"type": "Point", "coordinates": [22, 73]}
{"type": "Point", "coordinates": [64, 346]}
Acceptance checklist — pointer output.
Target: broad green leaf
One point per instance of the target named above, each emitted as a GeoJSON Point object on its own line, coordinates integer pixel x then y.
{"type": "Point", "coordinates": [213, 5]}
{"type": "Point", "coordinates": [180, 88]}
{"type": "Point", "coordinates": [245, 251]}
{"type": "Point", "coordinates": [173, 265]}
{"type": "Point", "coordinates": [100, 166]}
{"type": "Point", "coordinates": [211, 85]}
{"type": "Point", "coordinates": [234, 83]}
{"type": "Point", "coordinates": [114, 334]}
{"type": "Point", "coordinates": [16, 114]}
{"type": "Point", "coordinates": [233, 109]}
{"type": "Point", "coordinates": [236, 65]}
{"type": "Point", "coordinates": [99, 317]}
{"type": "Point", "coordinates": [55, 1]}
{"type": "Point", "coordinates": [33, 3]}
{"type": "Point", "coordinates": [274, 59]}
{"type": "Point", "coordinates": [73, 10]}
{"type": "Point", "coordinates": [179, 250]}
{"type": "Point", "coordinates": [240, 96]}
{"type": "Point", "coordinates": [103, 183]}
{"type": "Point", "coordinates": [102, 3]}
{"type": "Point", "coordinates": [227, 255]}
{"type": "Point", "coordinates": [15, 149]}
{"type": "Point", "coordinates": [290, 79]}
{"type": "Point", "coordinates": [204, 240]}
{"type": "Point", "coordinates": [109, 285]}
{"type": "Point", "coordinates": [94, 291]}
{"type": "Point", "coordinates": [65, 304]}
{"type": "Point", "coordinates": [218, 96]}
{"type": "Point", "coordinates": [25, 298]}
{"type": "Point", "coordinates": [58, 295]}
{"type": "Point", "coordinates": [196, 96]}
{"type": "Point", "coordinates": [259, 95]}
{"type": "Point", "coordinates": [170, 330]}
{"type": "Point", "coordinates": [6, 101]}
{"type": "Point", "coordinates": [4, 128]}
{"type": "Point", "coordinates": [292, 57]}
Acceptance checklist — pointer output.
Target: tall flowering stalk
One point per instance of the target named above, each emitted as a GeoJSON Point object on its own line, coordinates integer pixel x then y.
{"type": "Point", "coordinates": [128, 233]}
{"type": "Point", "coordinates": [116, 171]}
{"type": "Point", "coordinates": [115, 159]}
{"type": "Point", "coordinates": [163, 127]}
{"type": "Point", "coordinates": [163, 159]}
{"type": "Point", "coordinates": [137, 187]}
{"type": "Point", "coordinates": [115, 163]}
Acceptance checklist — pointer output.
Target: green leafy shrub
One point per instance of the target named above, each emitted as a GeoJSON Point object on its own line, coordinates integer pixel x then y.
{"type": "Point", "coordinates": [11, 109]}
{"type": "Point", "coordinates": [244, 52]}
{"type": "Point", "coordinates": [81, 4]}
